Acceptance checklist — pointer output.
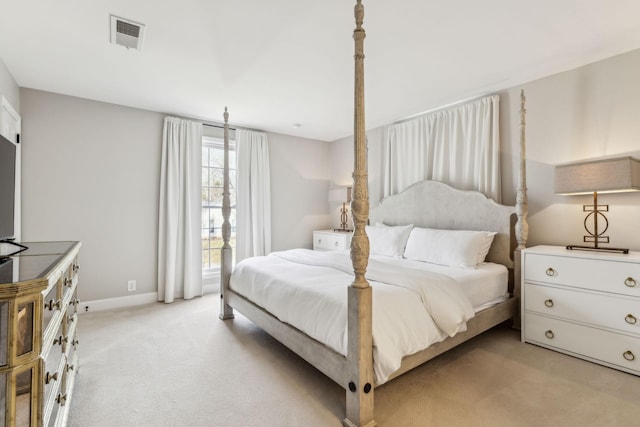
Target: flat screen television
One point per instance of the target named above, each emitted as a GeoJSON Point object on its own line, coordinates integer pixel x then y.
{"type": "Point", "coordinates": [7, 187]}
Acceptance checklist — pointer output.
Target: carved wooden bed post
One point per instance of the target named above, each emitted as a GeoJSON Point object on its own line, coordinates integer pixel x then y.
{"type": "Point", "coordinates": [522, 209]}
{"type": "Point", "coordinates": [226, 253]}
{"type": "Point", "coordinates": [359, 370]}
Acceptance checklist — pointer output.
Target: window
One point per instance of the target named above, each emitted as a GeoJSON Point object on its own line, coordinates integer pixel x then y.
{"type": "Point", "coordinates": [212, 187]}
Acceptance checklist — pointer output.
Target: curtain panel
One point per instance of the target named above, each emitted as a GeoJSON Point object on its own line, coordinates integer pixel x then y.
{"type": "Point", "coordinates": [179, 244]}
{"type": "Point", "coordinates": [253, 208]}
{"type": "Point", "coordinates": [459, 146]}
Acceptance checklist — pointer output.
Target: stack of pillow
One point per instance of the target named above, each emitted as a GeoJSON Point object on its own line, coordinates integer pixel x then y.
{"type": "Point", "coordinates": [453, 248]}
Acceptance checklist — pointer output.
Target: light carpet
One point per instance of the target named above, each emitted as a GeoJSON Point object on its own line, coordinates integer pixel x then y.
{"type": "Point", "coordinates": [179, 365]}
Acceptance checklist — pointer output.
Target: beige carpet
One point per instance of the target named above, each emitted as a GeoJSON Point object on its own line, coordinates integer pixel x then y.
{"type": "Point", "coordinates": [179, 365]}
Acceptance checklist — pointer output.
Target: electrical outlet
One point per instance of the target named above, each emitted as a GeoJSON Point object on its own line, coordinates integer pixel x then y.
{"type": "Point", "coordinates": [131, 285]}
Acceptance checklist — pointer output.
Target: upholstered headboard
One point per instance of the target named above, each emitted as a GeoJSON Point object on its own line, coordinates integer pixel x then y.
{"type": "Point", "coordinates": [432, 204]}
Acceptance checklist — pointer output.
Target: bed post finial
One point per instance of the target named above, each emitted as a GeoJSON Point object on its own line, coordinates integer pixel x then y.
{"type": "Point", "coordinates": [226, 252]}
{"type": "Point", "coordinates": [522, 209]}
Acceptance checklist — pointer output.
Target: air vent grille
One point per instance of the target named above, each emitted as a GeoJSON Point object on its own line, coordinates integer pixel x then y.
{"type": "Point", "coordinates": [127, 33]}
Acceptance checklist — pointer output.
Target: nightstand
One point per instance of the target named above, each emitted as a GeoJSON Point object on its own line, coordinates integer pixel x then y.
{"type": "Point", "coordinates": [329, 240]}
{"type": "Point", "coordinates": [585, 304]}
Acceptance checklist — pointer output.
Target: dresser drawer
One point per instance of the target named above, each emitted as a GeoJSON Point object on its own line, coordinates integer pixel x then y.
{"type": "Point", "coordinates": [588, 273]}
{"type": "Point", "coordinates": [330, 241]}
{"type": "Point", "coordinates": [606, 310]}
{"type": "Point", "coordinates": [53, 351]}
{"type": "Point", "coordinates": [616, 350]}
{"type": "Point", "coordinates": [51, 312]}
{"type": "Point", "coordinates": [53, 370]}
{"type": "Point", "coordinates": [70, 279]}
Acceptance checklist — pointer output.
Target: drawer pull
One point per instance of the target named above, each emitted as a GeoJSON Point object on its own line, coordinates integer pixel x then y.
{"type": "Point", "coordinates": [70, 318]}
{"type": "Point", "coordinates": [74, 301]}
{"type": "Point", "coordinates": [50, 305]}
{"type": "Point", "coordinates": [336, 244]}
{"type": "Point", "coordinates": [76, 267]}
{"type": "Point", "coordinates": [550, 272]}
{"type": "Point", "coordinates": [68, 282]}
{"type": "Point", "coordinates": [630, 319]}
{"type": "Point", "coordinates": [60, 340]}
{"type": "Point", "coordinates": [548, 303]}
{"type": "Point", "coordinates": [69, 368]}
{"type": "Point", "coordinates": [549, 334]}
{"type": "Point", "coordinates": [48, 378]}
{"type": "Point", "coordinates": [75, 342]}
{"type": "Point", "coordinates": [628, 355]}
{"type": "Point", "coordinates": [630, 282]}
{"type": "Point", "coordinates": [61, 399]}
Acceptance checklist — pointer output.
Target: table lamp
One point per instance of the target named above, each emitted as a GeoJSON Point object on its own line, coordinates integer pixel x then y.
{"type": "Point", "coordinates": [614, 175]}
{"type": "Point", "coordinates": [341, 195]}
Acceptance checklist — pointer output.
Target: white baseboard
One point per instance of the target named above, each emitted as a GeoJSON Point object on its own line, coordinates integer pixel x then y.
{"type": "Point", "coordinates": [119, 302]}
{"type": "Point", "coordinates": [133, 300]}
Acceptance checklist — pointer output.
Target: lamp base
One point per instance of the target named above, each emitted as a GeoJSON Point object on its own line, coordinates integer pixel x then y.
{"type": "Point", "coordinates": [593, 248]}
{"type": "Point", "coordinates": [344, 230]}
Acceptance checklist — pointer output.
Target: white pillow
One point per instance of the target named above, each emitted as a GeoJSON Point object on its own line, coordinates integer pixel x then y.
{"type": "Point", "coordinates": [453, 248]}
{"type": "Point", "coordinates": [388, 240]}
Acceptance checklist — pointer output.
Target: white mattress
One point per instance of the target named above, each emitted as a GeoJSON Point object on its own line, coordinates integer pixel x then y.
{"type": "Point", "coordinates": [414, 304]}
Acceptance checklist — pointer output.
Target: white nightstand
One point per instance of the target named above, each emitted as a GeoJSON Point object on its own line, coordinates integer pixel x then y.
{"type": "Point", "coordinates": [329, 240]}
{"type": "Point", "coordinates": [582, 303]}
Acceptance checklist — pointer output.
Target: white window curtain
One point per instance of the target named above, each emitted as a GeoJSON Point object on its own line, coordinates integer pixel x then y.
{"type": "Point", "coordinates": [253, 208]}
{"type": "Point", "coordinates": [179, 245]}
{"type": "Point", "coordinates": [459, 146]}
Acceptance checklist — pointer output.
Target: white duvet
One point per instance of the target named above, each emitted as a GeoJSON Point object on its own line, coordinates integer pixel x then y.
{"type": "Point", "coordinates": [412, 309]}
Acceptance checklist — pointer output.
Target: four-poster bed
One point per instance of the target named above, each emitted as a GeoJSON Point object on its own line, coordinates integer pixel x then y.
{"type": "Point", "coordinates": [426, 205]}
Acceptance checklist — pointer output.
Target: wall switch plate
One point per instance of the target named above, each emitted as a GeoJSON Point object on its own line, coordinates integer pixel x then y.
{"type": "Point", "coordinates": [131, 286]}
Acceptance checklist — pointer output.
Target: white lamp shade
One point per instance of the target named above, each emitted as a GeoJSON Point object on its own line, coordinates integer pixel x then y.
{"type": "Point", "coordinates": [602, 176]}
{"type": "Point", "coordinates": [340, 195]}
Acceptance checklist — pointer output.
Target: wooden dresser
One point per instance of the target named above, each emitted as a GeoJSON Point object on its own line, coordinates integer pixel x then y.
{"type": "Point", "coordinates": [582, 303]}
{"type": "Point", "coordinates": [38, 339]}
{"type": "Point", "coordinates": [329, 240]}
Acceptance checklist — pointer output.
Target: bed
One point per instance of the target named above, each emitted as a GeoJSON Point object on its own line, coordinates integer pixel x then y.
{"type": "Point", "coordinates": [321, 304]}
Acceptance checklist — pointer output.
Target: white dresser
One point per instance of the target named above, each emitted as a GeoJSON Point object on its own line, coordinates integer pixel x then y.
{"type": "Point", "coordinates": [329, 240]}
{"type": "Point", "coordinates": [583, 303]}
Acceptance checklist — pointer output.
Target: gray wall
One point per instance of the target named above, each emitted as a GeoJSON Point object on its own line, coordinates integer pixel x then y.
{"type": "Point", "coordinates": [299, 190]}
{"type": "Point", "coordinates": [589, 112]}
{"type": "Point", "coordinates": [92, 172]}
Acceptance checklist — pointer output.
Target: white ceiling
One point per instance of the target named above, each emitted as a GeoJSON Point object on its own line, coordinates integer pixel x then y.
{"type": "Point", "coordinates": [279, 62]}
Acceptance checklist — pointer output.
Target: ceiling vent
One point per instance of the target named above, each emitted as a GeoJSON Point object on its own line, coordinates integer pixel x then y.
{"type": "Point", "coordinates": [127, 33]}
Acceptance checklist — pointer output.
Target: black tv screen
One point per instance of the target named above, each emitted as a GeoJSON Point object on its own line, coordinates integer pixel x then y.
{"type": "Point", "coordinates": [7, 187]}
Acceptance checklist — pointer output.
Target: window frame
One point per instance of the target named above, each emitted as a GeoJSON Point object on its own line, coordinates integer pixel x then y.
{"type": "Point", "coordinates": [211, 273]}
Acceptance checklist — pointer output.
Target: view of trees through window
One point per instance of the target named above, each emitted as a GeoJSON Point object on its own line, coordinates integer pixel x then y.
{"type": "Point", "coordinates": [212, 182]}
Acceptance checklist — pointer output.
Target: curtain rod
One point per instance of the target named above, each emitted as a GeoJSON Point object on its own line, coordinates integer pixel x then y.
{"type": "Point", "coordinates": [443, 107]}
{"type": "Point", "coordinates": [217, 126]}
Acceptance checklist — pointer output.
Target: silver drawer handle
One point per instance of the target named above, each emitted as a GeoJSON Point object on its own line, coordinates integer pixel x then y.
{"type": "Point", "coordinates": [49, 377]}
{"type": "Point", "coordinates": [550, 272]}
{"type": "Point", "coordinates": [548, 303]}
{"type": "Point", "coordinates": [61, 399]}
{"type": "Point", "coordinates": [549, 334]}
{"type": "Point", "coordinates": [60, 340]}
{"type": "Point", "coordinates": [50, 305]}
{"type": "Point", "coordinates": [336, 243]}
{"type": "Point", "coordinates": [319, 241]}
{"type": "Point", "coordinates": [630, 282]}
{"type": "Point", "coordinates": [628, 355]}
{"type": "Point", "coordinates": [630, 319]}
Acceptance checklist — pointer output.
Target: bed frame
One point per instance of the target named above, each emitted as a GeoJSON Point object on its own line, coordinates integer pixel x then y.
{"type": "Point", "coordinates": [354, 372]}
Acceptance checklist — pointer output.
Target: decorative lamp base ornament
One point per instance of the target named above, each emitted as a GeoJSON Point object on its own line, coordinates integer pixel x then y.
{"type": "Point", "coordinates": [596, 237]}
{"type": "Point", "coordinates": [343, 220]}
